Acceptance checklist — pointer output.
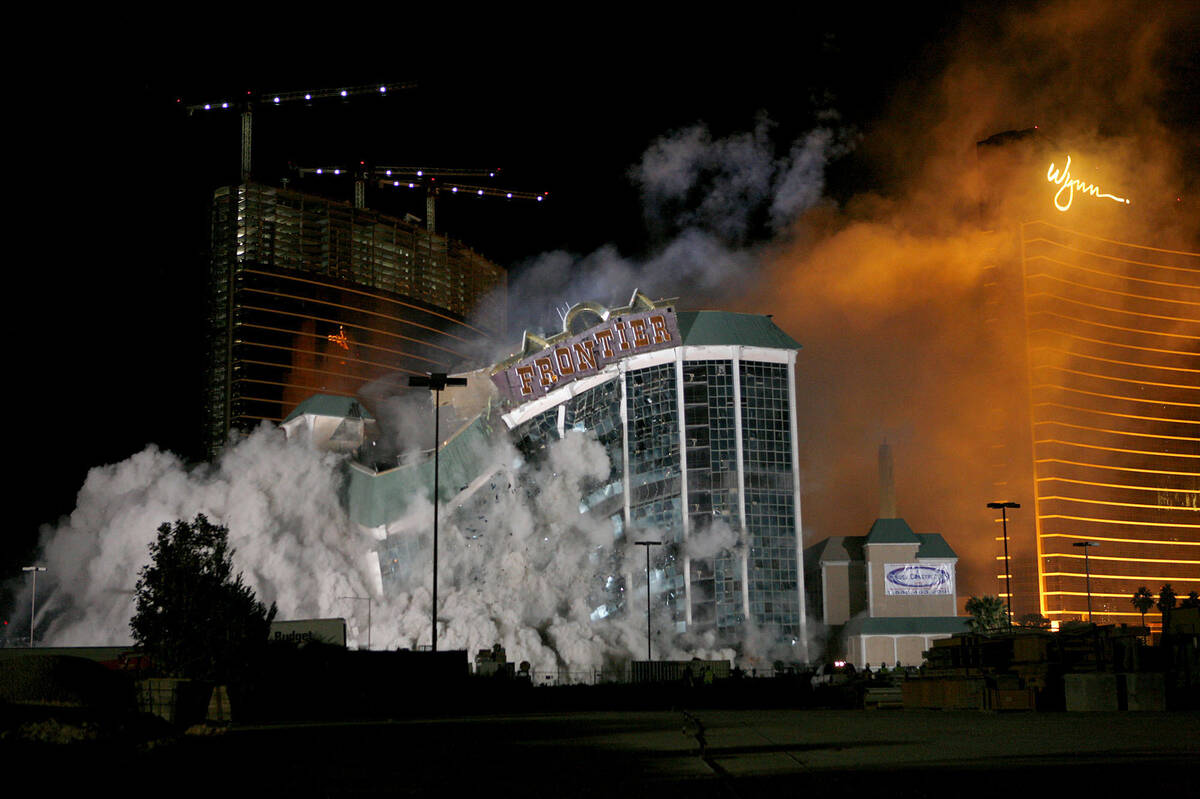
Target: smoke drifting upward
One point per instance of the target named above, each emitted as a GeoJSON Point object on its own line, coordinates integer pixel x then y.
{"type": "Point", "coordinates": [708, 203]}
{"type": "Point", "coordinates": [902, 297]}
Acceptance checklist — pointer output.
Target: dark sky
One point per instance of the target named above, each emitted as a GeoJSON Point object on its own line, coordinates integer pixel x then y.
{"type": "Point", "coordinates": [109, 289]}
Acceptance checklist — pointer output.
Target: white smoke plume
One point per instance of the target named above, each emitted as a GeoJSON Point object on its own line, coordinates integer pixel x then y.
{"type": "Point", "coordinates": [522, 575]}
{"type": "Point", "coordinates": [707, 201]}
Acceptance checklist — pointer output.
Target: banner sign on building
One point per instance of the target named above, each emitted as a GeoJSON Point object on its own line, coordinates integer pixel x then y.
{"type": "Point", "coordinates": [587, 353]}
{"type": "Point", "coordinates": [302, 631]}
{"type": "Point", "coordinates": [918, 578]}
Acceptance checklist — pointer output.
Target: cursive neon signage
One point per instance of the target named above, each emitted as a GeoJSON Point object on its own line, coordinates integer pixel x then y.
{"type": "Point", "coordinates": [1067, 186]}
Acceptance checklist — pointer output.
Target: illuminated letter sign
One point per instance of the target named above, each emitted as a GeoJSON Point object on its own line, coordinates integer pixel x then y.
{"type": "Point", "coordinates": [1067, 186]}
{"type": "Point", "coordinates": [587, 353]}
{"type": "Point", "coordinates": [918, 578]}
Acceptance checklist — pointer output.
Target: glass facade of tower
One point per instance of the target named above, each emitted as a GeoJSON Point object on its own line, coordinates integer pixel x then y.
{"type": "Point", "coordinates": [1114, 365]}
{"type": "Point", "coordinates": [314, 296]}
{"type": "Point", "coordinates": [702, 443]}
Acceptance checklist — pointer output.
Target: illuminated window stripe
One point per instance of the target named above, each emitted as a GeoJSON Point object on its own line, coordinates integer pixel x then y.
{"type": "Point", "coordinates": [1118, 504]}
{"type": "Point", "coordinates": [1131, 560]}
{"type": "Point", "coordinates": [344, 358]}
{"type": "Point", "coordinates": [374, 295]}
{"type": "Point", "coordinates": [1100, 376]}
{"type": "Point", "coordinates": [1120, 485]}
{"type": "Point", "coordinates": [1114, 449]}
{"type": "Point", "coordinates": [1105, 343]}
{"type": "Point", "coordinates": [358, 344]}
{"type": "Point", "coordinates": [1115, 468]}
{"type": "Point", "coordinates": [1094, 596]}
{"type": "Point", "coordinates": [1121, 540]}
{"type": "Point", "coordinates": [1139, 330]}
{"type": "Point", "coordinates": [1060, 387]}
{"type": "Point", "coordinates": [1117, 521]}
{"type": "Point", "coordinates": [1115, 432]}
{"type": "Point", "coordinates": [1149, 577]}
{"type": "Point", "coordinates": [1149, 298]}
{"type": "Point", "coordinates": [1102, 612]}
{"type": "Point", "coordinates": [325, 303]}
{"type": "Point", "coordinates": [1113, 414]}
{"type": "Point", "coordinates": [1113, 275]}
{"type": "Point", "coordinates": [1126, 244]}
{"type": "Point", "coordinates": [1135, 364]}
{"type": "Point", "coordinates": [333, 321]}
{"type": "Point", "coordinates": [1110, 309]}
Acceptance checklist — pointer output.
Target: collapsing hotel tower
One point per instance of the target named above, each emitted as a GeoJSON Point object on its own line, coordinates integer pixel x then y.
{"type": "Point", "coordinates": [696, 411]}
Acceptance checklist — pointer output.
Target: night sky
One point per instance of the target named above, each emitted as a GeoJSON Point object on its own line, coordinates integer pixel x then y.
{"type": "Point", "coordinates": [110, 286]}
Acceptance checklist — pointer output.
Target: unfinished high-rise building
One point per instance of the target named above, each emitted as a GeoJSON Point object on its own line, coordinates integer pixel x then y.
{"type": "Point", "coordinates": [310, 295]}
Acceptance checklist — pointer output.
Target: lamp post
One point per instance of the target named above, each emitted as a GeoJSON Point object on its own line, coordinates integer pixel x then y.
{"type": "Point", "coordinates": [32, 597]}
{"type": "Point", "coordinates": [1087, 545]}
{"type": "Point", "coordinates": [647, 545]}
{"type": "Point", "coordinates": [1003, 508]}
{"type": "Point", "coordinates": [368, 600]}
{"type": "Point", "coordinates": [435, 382]}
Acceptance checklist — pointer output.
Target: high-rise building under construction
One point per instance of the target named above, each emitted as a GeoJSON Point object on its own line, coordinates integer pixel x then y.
{"type": "Point", "coordinates": [309, 295]}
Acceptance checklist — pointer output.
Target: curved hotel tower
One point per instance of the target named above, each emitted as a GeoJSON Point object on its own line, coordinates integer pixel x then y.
{"type": "Point", "coordinates": [310, 295]}
{"type": "Point", "coordinates": [1114, 367]}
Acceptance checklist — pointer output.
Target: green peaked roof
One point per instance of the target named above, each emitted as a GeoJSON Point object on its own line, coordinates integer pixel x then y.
{"type": "Point", "coordinates": [330, 405]}
{"type": "Point", "coordinates": [892, 531]}
{"type": "Point", "coordinates": [725, 327]}
{"type": "Point", "coordinates": [934, 546]}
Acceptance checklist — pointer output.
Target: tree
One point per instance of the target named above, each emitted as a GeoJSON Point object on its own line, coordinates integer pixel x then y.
{"type": "Point", "coordinates": [1166, 603]}
{"type": "Point", "coordinates": [987, 613]}
{"type": "Point", "coordinates": [1192, 601]}
{"type": "Point", "coordinates": [1142, 601]}
{"type": "Point", "coordinates": [1035, 621]}
{"type": "Point", "coordinates": [193, 618]}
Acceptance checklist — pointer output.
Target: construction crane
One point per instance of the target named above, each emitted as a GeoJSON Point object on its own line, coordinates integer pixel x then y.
{"type": "Point", "coordinates": [431, 179]}
{"type": "Point", "coordinates": [251, 100]}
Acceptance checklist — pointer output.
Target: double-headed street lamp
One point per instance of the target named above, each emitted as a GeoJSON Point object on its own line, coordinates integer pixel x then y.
{"type": "Point", "coordinates": [647, 545]}
{"type": "Point", "coordinates": [1087, 545]}
{"type": "Point", "coordinates": [1003, 508]}
{"type": "Point", "coordinates": [435, 382]}
{"type": "Point", "coordinates": [32, 597]}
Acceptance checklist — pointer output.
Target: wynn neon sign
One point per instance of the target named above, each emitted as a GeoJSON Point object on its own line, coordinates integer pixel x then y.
{"type": "Point", "coordinates": [1067, 186]}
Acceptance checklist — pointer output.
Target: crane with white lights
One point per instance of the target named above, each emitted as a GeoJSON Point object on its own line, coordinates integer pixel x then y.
{"type": "Point", "coordinates": [430, 179]}
{"type": "Point", "coordinates": [253, 100]}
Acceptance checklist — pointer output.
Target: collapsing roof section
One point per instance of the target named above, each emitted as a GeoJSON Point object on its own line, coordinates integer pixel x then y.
{"type": "Point", "coordinates": [375, 498]}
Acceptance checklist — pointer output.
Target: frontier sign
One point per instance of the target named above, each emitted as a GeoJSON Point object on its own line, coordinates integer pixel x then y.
{"type": "Point", "coordinates": [587, 353]}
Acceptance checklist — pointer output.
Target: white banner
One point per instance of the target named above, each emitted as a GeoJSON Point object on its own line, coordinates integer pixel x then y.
{"type": "Point", "coordinates": [918, 578]}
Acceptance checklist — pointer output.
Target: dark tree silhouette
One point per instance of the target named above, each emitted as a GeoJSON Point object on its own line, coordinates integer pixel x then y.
{"type": "Point", "coordinates": [1166, 603]}
{"type": "Point", "coordinates": [193, 617]}
{"type": "Point", "coordinates": [987, 613]}
{"type": "Point", "coordinates": [1034, 620]}
{"type": "Point", "coordinates": [1142, 601]}
{"type": "Point", "coordinates": [1192, 600]}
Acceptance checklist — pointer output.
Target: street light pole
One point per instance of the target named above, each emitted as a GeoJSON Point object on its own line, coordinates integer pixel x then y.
{"type": "Point", "coordinates": [32, 597]}
{"type": "Point", "coordinates": [435, 382]}
{"type": "Point", "coordinates": [647, 545]}
{"type": "Point", "coordinates": [1087, 545]}
{"type": "Point", "coordinates": [1003, 507]}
